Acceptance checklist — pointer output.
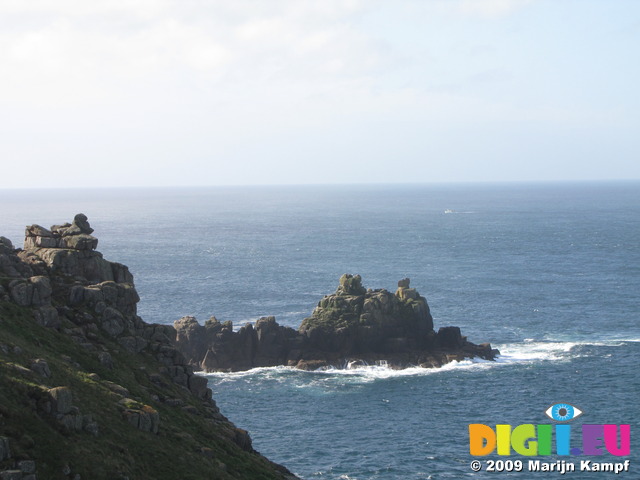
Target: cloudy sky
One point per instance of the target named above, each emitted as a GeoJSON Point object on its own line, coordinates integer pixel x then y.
{"type": "Point", "coordinates": [207, 92]}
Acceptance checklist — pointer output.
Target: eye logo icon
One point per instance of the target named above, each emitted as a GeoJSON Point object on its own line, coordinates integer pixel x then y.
{"type": "Point", "coordinates": [562, 412]}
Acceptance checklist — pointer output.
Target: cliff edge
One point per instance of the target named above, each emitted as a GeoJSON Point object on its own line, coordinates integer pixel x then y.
{"type": "Point", "coordinates": [88, 390]}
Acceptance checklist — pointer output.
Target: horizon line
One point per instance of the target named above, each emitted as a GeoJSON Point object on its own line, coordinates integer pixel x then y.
{"type": "Point", "coordinates": [354, 184]}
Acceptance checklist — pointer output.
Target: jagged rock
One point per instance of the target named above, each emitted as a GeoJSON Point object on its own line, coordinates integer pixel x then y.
{"type": "Point", "coordinates": [192, 336]}
{"type": "Point", "coordinates": [34, 291]}
{"type": "Point", "coordinates": [82, 223]}
{"type": "Point", "coordinates": [243, 440]}
{"type": "Point", "coordinates": [75, 236]}
{"type": "Point", "coordinates": [449, 337]}
{"type": "Point", "coordinates": [61, 399]}
{"type": "Point", "coordinates": [146, 418]}
{"type": "Point", "coordinates": [69, 286]}
{"type": "Point", "coordinates": [350, 285]}
{"type": "Point", "coordinates": [12, 265]}
{"type": "Point", "coordinates": [47, 317]}
{"type": "Point", "coordinates": [105, 360]}
{"type": "Point", "coordinates": [41, 367]}
{"type": "Point", "coordinates": [117, 389]}
{"type": "Point", "coordinates": [351, 325]}
{"type": "Point", "coordinates": [69, 249]}
{"type": "Point", "coordinates": [112, 321]}
{"type": "Point", "coordinates": [5, 245]}
{"type": "Point", "coordinates": [369, 321]}
{"type": "Point", "coordinates": [81, 241]}
{"type": "Point", "coordinates": [199, 386]}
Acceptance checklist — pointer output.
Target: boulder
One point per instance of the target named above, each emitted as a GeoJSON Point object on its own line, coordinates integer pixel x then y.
{"type": "Point", "coordinates": [61, 400]}
{"type": "Point", "coordinates": [41, 367]}
{"type": "Point", "coordinates": [350, 285]}
{"type": "Point", "coordinates": [5, 245]}
{"type": "Point", "coordinates": [449, 338]}
{"type": "Point", "coordinates": [34, 291]}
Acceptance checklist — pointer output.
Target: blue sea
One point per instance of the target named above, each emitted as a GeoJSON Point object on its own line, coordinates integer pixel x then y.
{"type": "Point", "coordinates": [548, 273]}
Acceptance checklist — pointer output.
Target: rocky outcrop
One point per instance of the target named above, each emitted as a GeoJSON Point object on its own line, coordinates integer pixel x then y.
{"type": "Point", "coordinates": [353, 326]}
{"type": "Point", "coordinates": [67, 287]}
{"type": "Point", "coordinates": [69, 249]}
{"type": "Point", "coordinates": [214, 346]}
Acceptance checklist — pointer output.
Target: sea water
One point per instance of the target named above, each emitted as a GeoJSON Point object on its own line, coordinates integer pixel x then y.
{"type": "Point", "coordinates": [548, 273]}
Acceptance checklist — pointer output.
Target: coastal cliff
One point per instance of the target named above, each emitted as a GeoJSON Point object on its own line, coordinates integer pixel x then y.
{"type": "Point", "coordinates": [352, 327]}
{"type": "Point", "coordinates": [88, 390]}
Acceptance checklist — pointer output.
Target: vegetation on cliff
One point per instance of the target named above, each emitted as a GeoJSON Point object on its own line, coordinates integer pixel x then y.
{"type": "Point", "coordinates": [90, 391]}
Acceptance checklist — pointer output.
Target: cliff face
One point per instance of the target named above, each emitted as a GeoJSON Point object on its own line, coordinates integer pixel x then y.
{"type": "Point", "coordinates": [353, 326]}
{"type": "Point", "coordinates": [88, 390]}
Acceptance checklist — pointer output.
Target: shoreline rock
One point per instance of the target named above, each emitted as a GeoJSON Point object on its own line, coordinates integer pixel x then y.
{"type": "Point", "coordinates": [353, 326]}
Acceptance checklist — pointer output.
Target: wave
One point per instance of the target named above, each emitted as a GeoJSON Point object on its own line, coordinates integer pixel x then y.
{"type": "Point", "coordinates": [531, 350]}
{"type": "Point", "coordinates": [526, 352]}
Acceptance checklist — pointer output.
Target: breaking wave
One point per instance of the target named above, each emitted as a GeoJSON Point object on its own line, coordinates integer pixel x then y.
{"type": "Point", "coordinates": [526, 352]}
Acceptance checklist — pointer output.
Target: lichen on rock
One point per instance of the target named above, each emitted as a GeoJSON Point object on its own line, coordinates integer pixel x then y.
{"type": "Point", "coordinates": [351, 326]}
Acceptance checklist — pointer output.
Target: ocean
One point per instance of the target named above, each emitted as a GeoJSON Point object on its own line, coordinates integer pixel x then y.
{"type": "Point", "coordinates": [548, 273]}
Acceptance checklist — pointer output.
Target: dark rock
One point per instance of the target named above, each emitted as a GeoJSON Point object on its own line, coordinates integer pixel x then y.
{"type": "Point", "coordinates": [82, 241]}
{"type": "Point", "coordinates": [5, 245]}
{"type": "Point", "coordinates": [81, 221]}
{"type": "Point", "coordinates": [47, 317]}
{"type": "Point", "coordinates": [117, 389]}
{"type": "Point", "coordinates": [41, 367]}
{"type": "Point", "coordinates": [105, 359]}
{"type": "Point", "coordinates": [61, 399]}
{"type": "Point", "coordinates": [449, 337]}
{"type": "Point", "coordinates": [350, 285]}
{"type": "Point", "coordinates": [243, 440]}
{"type": "Point", "coordinates": [350, 326]}
{"type": "Point", "coordinates": [71, 287]}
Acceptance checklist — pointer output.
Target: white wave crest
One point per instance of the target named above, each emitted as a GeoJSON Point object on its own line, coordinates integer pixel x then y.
{"type": "Point", "coordinates": [527, 351]}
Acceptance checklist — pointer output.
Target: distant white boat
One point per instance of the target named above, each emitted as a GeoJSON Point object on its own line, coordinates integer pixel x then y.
{"type": "Point", "coordinates": [448, 210]}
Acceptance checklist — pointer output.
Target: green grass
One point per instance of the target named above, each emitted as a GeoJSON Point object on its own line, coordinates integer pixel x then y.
{"type": "Point", "coordinates": [119, 450]}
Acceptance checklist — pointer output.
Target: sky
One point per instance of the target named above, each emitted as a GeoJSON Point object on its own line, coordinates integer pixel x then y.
{"type": "Point", "coordinates": [193, 92]}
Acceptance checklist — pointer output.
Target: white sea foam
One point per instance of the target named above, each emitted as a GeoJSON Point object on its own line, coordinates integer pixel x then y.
{"type": "Point", "coordinates": [525, 352]}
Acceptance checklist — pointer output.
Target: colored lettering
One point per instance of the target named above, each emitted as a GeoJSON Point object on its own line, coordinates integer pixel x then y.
{"type": "Point", "coordinates": [504, 435]}
{"type": "Point", "coordinates": [523, 440]}
{"type": "Point", "coordinates": [592, 439]}
{"type": "Point", "coordinates": [611, 442]}
{"type": "Point", "coordinates": [544, 439]}
{"type": "Point", "coordinates": [563, 439]}
{"type": "Point", "coordinates": [482, 439]}
{"type": "Point", "coordinates": [530, 440]}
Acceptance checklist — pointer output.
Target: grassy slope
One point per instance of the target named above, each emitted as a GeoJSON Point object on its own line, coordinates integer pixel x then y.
{"type": "Point", "coordinates": [119, 450]}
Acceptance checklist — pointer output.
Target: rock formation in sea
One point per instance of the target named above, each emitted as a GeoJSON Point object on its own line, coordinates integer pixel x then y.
{"type": "Point", "coordinates": [353, 326]}
{"type": "Point", "coordinates": [88, 390]}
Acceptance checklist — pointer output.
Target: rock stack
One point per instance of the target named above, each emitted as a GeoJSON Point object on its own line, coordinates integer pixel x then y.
{"type": "Point", "coordinates": [353, 326]}
{"type": "Point", "coordinates": [76, 235]}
